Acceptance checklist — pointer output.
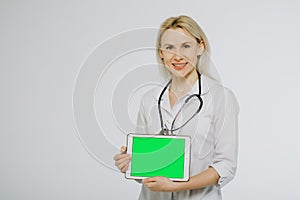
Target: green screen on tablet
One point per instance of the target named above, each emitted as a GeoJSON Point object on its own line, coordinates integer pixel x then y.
{"type": "Point", "coordinates": [158, 156]}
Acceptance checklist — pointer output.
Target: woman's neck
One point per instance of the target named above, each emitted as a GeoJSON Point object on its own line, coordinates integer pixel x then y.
{"type": "Point", "coordinates": [181, 85]}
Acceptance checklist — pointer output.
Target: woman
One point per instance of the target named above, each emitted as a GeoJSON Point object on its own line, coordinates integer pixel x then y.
{"type": "Point", "coordinates": [183, 50]}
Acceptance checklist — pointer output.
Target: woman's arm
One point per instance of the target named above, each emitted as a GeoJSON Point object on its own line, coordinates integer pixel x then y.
{"type": "Point", "coordinates": [203, 179]}
{"type": "Point", "coordinates": [223, 166]}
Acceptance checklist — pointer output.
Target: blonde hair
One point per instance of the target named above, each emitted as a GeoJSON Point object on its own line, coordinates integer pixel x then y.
{"type": "Point", "coordinates": [188, 24]}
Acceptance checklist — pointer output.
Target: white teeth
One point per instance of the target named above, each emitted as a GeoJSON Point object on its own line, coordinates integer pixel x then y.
{"type": "Point", "coordinates": [179, 65]}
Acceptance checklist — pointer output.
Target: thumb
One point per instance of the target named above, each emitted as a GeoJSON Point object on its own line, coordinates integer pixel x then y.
{"type": "Point", "coordinates": [123, 149]}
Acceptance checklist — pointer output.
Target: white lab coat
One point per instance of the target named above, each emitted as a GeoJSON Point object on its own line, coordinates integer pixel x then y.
{"type": "Point", "coordinates": [213, 131]}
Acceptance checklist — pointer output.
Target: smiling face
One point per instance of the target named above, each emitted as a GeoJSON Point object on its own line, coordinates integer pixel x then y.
{"type": "Point", "coordinates": [179, 51]}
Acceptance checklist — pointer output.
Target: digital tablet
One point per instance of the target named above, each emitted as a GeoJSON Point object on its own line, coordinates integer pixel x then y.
{"type": "Point", "coordinates": [158, 155]}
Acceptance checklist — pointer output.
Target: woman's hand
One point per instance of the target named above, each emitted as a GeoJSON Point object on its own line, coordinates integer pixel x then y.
{"type": "Point", "coordinates": [160, 183]}
{"type": "Point", "coordinates": [122, 160]}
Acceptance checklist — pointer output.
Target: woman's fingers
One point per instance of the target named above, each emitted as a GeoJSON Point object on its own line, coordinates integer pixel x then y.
{"type": "Point", "coordinates": [122, 159]}
{"type": "Point", "coordinates": [123, 152]}
{"type": "Point", "coordinates": [125, 167]}
{"type": "Point", "coordinates": [123, 164]}
{"type": "Point", "coordinates": [149, 180]}
{"type": "Point", "coordinates": [120, 156]}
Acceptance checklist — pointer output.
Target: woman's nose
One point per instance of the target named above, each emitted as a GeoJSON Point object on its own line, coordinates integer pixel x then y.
{"type": "Point", "coordinates": [177, 56]}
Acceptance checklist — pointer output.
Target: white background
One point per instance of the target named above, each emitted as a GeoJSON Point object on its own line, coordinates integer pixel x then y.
{"type": "Point", "coordinates": [255, 46]}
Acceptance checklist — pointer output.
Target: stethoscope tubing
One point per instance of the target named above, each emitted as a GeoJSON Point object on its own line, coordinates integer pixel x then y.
{"type": "Point", "coordinates": [165, 131]}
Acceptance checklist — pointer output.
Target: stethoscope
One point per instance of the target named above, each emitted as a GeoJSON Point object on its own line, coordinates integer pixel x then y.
{"type": "Point", "coordinates": [165, 130]}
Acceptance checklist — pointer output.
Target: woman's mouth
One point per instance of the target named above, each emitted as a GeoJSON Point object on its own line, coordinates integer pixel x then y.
{"type": "Point", "coordinates": [179, 66]}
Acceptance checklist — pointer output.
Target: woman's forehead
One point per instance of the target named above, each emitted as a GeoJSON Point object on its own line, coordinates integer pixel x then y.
{"type": "Point", "coordinates": [174, 36]}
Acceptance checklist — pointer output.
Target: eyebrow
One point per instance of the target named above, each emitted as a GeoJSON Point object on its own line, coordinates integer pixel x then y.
{"type": "Point", "coordinates": [173, 44]}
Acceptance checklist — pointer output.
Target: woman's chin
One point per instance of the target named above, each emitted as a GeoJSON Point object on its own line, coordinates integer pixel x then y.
{"type": "Point", "coordinates": [179, 73]}
{"type": "Point", "coordinates": [182, 72]}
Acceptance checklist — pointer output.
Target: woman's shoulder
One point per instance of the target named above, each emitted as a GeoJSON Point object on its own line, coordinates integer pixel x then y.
{"type": "Point", "coordinates": [220, 94]}
{"type": "Point", "coordinates": [151, 96]}
{"type": "Point", "coordinates": [215, 86]}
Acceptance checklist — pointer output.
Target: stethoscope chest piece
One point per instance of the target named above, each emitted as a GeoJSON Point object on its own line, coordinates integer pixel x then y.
{"type": "Point", "coordinates": [164, 132]}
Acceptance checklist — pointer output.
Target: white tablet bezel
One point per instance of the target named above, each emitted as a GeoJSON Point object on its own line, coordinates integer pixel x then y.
{"type": "Point", "coordinates": [186, 154]}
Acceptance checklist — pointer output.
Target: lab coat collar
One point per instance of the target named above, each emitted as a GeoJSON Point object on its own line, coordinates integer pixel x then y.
{"type": "Point", "coordinates": [205, 85]}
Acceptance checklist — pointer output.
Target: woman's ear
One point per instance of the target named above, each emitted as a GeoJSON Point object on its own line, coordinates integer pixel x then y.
{"type": "Point", "coordinates": [200, 48]}
{"type": "Point", "coordinates": [161, 55]}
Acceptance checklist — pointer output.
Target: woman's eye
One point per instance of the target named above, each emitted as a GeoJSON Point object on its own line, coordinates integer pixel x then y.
{"type": "Point", "coordinates": [169, 47]}
{"type": "Point", "coordinates": [186, 46]}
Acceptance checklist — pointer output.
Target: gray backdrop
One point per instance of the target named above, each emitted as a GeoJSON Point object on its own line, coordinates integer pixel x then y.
{"type": "Point", "coordinates": [44, 44]}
